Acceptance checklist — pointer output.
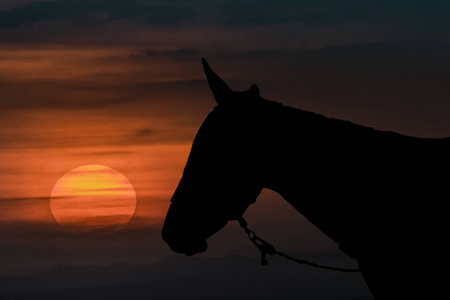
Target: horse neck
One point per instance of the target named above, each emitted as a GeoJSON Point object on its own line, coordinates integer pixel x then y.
{"type": "Point", "coordinates": [289, 141]}
{"type": "Point", "coordinates": [299, 146]}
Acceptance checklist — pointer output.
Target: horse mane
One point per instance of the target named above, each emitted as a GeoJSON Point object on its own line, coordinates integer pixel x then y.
{"type": "Point", "coordinates": [298, 117]}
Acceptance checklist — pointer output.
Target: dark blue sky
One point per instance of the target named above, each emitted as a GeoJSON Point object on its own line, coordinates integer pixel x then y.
{"type": "Point", "coordinates": [379, 20]}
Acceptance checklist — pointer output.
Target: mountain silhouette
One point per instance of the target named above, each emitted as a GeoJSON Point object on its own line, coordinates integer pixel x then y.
{"type": "Point", "coordinates": [229, 277]}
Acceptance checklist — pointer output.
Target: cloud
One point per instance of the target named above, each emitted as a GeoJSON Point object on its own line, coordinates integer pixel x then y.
{"type": "Point", "coordinates": [169, 25]}
{"type": "Point", "coordinates": [46, 10]}
{"type": "Point", "coordinates": [178, 54]}
{"type": "Point", "coordinates": [407, 59]}
{"type": "Point", "coordinates": [144, 132]}
{"type": "Point", "coordinates": [101, 153]}
{"type": "Point", "coordinates": [24, 199]}
{"type": "Point", "coordinates": [153, 84]}
{"type": "Point", "coordinates": [154, 13]}
{"type": "Point", "coordinates": [421, 55]}
{"type": "Point", "coordinates": [392, 85]}
{"type": "Point", "coordinates": [157, 84]}
{"type": "Point", "coordinates": [422, 15]}
{"type": "Point", "coordinates": [180, 30]}
{"type": "Point", "coordinates": [419, 14]}
{"type": "Point", "coordinates": [148, 136]}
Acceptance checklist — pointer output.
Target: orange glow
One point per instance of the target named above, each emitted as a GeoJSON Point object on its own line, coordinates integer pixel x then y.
{"type": "Point", "coordinates": [93, 197]}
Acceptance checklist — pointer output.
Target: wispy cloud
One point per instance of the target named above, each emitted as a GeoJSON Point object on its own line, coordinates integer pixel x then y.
{"type": "Point", "coordinates": [91, 12]}
{"type": "Point", "coordinates": [178, 54]}
{"type": "Point", "coordinates": [4, 200]}
{"type": "Point", "coordinates": [102, 153]}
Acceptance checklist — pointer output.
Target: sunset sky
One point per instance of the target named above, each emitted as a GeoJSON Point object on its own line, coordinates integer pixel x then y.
{"type": "Point", "coordinates": [119, 83]}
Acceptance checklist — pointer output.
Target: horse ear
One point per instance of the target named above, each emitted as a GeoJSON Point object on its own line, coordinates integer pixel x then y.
{"type": "Point", "coordinates": [219, 88]}
{"type": "Point", "coordinates": [253, 91]}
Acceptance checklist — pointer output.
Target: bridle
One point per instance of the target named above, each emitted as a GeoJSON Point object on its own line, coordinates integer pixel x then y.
{"type": "Point", "coordinates": [266, 248]}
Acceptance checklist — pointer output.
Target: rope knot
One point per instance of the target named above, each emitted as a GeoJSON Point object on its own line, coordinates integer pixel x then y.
{"type": "Point", "coordinates": [263, 246]}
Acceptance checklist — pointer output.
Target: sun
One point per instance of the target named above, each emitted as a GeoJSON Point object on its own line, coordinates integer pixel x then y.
{"type": "Point", "coordinates": [93, 197]}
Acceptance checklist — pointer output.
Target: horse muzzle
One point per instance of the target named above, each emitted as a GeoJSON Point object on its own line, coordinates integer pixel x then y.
{"type": "Point", "coordinates": [181, 243]}
{"type": "Point", "coordinates": [182, 234]}
{"type": "Point", "coordinates": [190, 249]}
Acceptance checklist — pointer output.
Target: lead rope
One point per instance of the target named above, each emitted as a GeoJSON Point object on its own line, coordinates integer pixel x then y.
{"type": "Point", "coordinates": [266, 248]}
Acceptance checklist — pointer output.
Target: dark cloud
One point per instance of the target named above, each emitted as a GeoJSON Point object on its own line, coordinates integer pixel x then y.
{"type": "Point", "coordinates": [394, 77]}
{"type": "Point", "coordinates": [396, 85]}
{"type": "Point", "coordinates": [101, 153]}
{"type": "Point", "coordinates": [427, 16]}
{"type": "Point", "coordinates": [219, 23]}
{"type": "Point", "coordinates": [155, 136]}
{"type": "Point", "coordinates": [78, 94]}
{"type": "Point", "coordinates": [47, 10]}
{"type": "Point", "coordinates": [145, 132]}
{"type": "Point", "coordinates": [190, 54]}
{"type": "Point", "coordinates": [3, 200]}
{"type": "Point", "coordinates": [404, 80]}
{"type": "Point", "coordinates": [422, 56]}
{"type": "Point", "coordinates": [86, 11]}
{"type": "Point", "coordinates": [394, 56]}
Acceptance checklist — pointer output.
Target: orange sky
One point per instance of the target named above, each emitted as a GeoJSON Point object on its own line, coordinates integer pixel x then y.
{"type": "Point", "coordinates": [66, 108]}
{"type": "Point", "coordinates": [122, 85]}
{"type": "Point", "coordinates": [44, 141]}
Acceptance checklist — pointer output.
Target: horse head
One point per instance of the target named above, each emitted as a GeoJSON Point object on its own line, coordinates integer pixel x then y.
{"type": "Point", "coordinates": [221, 177]}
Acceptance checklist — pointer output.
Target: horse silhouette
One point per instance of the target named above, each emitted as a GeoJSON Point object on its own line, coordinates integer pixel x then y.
{"type": "Point", "coordinates": [379, 195]}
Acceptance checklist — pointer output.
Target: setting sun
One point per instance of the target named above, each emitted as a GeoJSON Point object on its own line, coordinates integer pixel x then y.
{"type": "Point", "coordinates": [93, 197]}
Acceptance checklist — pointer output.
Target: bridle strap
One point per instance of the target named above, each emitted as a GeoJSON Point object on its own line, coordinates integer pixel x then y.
{"type": "Point", "coordinates": [266, 248]}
